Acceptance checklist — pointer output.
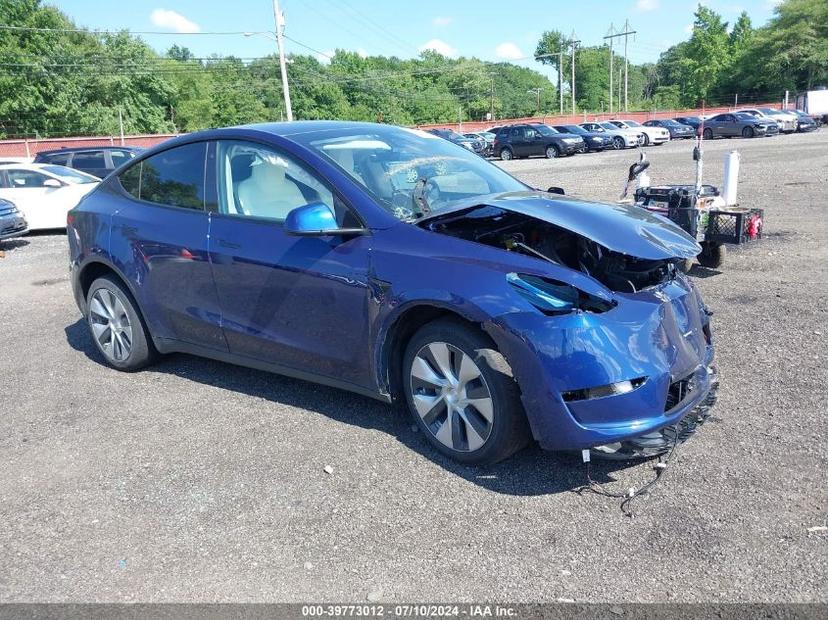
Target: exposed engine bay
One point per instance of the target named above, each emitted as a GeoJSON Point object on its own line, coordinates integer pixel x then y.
{"type": "Point", "coordinates": [516, 232]}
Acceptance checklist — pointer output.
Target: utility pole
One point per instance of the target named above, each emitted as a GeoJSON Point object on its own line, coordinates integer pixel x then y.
{"type": "Point", "coordinates": [121, 124]}
{"type": "Point", "coordinates": [611, 35]}
{"type": "Point", "coordinates": [574, 43]}
{"type": "Point", "coordinates": [537, 91]}
{"type": "Point", "coordinates": [280, 31]}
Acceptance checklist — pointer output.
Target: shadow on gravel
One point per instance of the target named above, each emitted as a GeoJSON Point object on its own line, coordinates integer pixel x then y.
{"type": "Point", "coordinates": [13, 244]}
{"type": "Point", "coordinates": [697, 271]}
{"type": "Point", "coordinates": [532, 471]}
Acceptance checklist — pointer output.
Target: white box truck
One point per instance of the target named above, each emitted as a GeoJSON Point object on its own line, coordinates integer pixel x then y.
{"type": "Point", "coordinates": [814, 103]}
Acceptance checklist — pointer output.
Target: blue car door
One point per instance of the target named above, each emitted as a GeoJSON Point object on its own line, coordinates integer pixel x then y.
{"type": "Point", "coordinates": [294, 301]}
{"type": "Point", "coordinates": [159, 242]}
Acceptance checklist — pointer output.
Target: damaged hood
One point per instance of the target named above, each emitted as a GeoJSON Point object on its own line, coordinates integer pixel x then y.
{"type": "Point", "coordinates": [620, 228]}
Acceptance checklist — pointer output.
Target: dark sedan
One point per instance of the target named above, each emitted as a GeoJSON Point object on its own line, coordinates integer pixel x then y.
{"type": "Point", "coordinates": [735, 124]}
{"type": "Point", "coordinates": [676, 129]}
{"type": "Point", "coordinates": [475, 146]}
{"type": "Point", "coordinates": [804, 122]}
{"type": "Point", "coordinates": [593, 141]}
{"type": "Point", "coordinates": [692, 121]}
{"type": "Point", "coordinates": [12, 222]}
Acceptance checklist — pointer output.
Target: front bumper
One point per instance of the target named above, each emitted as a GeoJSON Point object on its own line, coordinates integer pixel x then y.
{"type": "Point", "coordinates": [659, 339]}
{"type": "Point", "coordinates": [13, 226]}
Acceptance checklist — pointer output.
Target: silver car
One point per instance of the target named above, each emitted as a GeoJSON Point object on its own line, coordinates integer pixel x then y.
{"type": "Point", "coordinates": [738, 124]}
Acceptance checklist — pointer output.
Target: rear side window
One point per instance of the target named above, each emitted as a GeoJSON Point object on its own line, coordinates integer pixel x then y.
{"type": "Point", "coordinates": [119, 157]}
{"type": "Point", "coordinates": [88, 159]}
{"type": "Point", "coordinates": [174, 177]}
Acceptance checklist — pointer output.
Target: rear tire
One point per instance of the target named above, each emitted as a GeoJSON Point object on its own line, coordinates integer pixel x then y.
{"type": "Point", "coordinates": [116, 326]}
{"type": "Point", "coordinates": [462, 395]}
{"type": "Point", "coordinates": [506, 153]}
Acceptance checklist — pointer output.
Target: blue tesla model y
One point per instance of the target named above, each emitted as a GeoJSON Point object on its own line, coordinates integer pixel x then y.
{"type": "Point", "coordinates": [395, 264]}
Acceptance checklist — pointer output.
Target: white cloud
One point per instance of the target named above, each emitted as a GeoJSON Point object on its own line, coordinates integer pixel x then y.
{"type": "Point", "coordinates": [508, 51]}
{"type": "Point", "coordinates": [439, 46]}
{"type": "Point", "coordinates": [689, 28]}
{"type": "Point", "coordinates": [772, 4]}
{"type": "Point", "coordinates": [325, 57]}
{"type": "Point", "coordinates": [164, 18]}
{"type": "Point", "coordinates": [442, 22]}
{"type": "Point", "coordinates": [362, 53]}
{"type": "Point", "coordinates": [646, 5]}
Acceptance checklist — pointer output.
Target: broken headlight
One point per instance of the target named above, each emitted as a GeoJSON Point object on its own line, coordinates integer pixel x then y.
{"type": "Point", "coordinates": [554, 297]}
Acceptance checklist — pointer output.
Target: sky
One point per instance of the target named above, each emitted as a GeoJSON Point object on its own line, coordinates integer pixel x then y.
{"type": "Point", "coordinates": [484, 29]}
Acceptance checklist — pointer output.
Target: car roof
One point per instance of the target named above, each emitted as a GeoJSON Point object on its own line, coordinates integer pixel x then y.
{"type": "Point", "coordinates": [75, 149]}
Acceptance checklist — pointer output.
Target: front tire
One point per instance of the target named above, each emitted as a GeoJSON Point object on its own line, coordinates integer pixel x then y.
{"type": "Point", "coordinates": [646, 140]}
{"type": "Point", "coordinates": [116, 326]}
{"type": "Point", "coordinates": [712, 255]}
{"type": "Point", "coordinates": [747, 132]}
{"type": "Point", "coordinates": [462, 395]}
{"type": "Point", "coordinates": [552, 151]}
{"type": "Point", "coordinates": [506, 153]}
{"type": "Point", "coordinates": [618, 143]}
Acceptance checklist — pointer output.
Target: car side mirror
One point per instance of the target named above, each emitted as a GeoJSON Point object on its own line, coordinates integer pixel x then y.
{"type": "Point", "coordinates": [316, 220]}
{"type": "Point", "coordinates": [52, 183]}
{"type": "Point", "coordinates": [556, 190]}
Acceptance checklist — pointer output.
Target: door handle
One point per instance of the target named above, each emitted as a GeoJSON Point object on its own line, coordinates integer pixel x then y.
{"type": "Point", "coordinates": [229, 245]}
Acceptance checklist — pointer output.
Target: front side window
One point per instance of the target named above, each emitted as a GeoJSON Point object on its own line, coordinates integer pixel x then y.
{"type": "Point", "coordinates": [259, 181]}
{"type": "Point", "coordinates": [175, 177]}
{"type": "Point", "coordinates": [25, 179]}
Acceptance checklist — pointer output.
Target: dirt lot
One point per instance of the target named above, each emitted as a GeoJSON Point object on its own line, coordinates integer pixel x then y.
{"type": "Point", "coordinates": [197, 480]}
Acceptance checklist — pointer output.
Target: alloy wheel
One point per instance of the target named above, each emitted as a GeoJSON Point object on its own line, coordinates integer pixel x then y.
{"type": "Point", "coordinates": [506, 154]}
{"type": "Point", "coordinates": [451, 397]}
{"type": "Point", "coordinates": [110, 325]}
{"type": "Point", "coordinates": [618, 142]}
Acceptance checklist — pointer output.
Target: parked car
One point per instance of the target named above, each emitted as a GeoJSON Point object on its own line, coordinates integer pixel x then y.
{"type": "Point", "coordinates": [593, 140]}
{"type": "Point", "coordinates": [496, 312]}
{"type": "Point", "coordinates": [674, 128]}
{"type": "Point", "coordinates": [526, 140]}
{"type": "Point", "coordinates": [692, 121]}
{"type": "Point", "coordinates": [98, 161]}
{"type": "Point", "coordinates": [44, 193]}
{"type": "Point", "coordinates": [476, 146]}
{"type": "Point", "coordinates": [12, 221]}
{"type": "Point", "coordinates": [621, 138]}
{"type": "Point", "coordinates": [785, 121]}
{"type": "Point", "coordinates": [804, 122]}
{"type": "Point", "coordinates": [652, 135]}
{"type": "Point", "coordinates": [485, 137]}
{"type": "Point", "coordinates": [733, 124]}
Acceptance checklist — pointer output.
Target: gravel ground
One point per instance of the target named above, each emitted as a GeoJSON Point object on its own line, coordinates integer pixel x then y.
{"type": "Point", "coordinates": [201, 481]}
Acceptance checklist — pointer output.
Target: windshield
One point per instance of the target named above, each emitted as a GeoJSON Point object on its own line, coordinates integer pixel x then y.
{"type": "Point", "coordinates": [769, 111]}
{"type": "Point", "coordinates": [68, 175]}
{"type": "Point", "coordinates": [669, 123]}
{"type": "Point", "coordinates": [609, 126]}
{"type": "Point", "coordinates": [631, 123]}
{"type": "Point", "coordinates": [545, 130]}
{"type": "Point", "coordinates": [400, 166]}
{"type": "Point", "coordinates": [573, 129]}
{"type": "Point", "coordinates": [744, 116]}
